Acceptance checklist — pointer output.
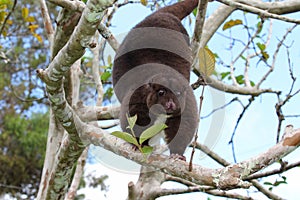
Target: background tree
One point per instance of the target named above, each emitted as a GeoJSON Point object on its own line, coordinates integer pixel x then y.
{"type": "Point", "coordinates": [245, 61]}
{"type": "Point", "coordinates": [23, 105]}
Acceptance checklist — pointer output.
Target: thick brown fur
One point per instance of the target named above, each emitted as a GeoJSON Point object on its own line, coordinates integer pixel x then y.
{"type": "Point", "coordinates": [154, 90]}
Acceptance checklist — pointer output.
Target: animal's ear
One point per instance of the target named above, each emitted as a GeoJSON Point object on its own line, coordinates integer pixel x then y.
{"type": "Point", "coordinates": [149, 86]}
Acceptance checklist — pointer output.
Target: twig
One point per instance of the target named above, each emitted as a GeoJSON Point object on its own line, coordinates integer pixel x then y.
{"type": "Point", "coordinates": [95, 69]}
{"type": "Point", "coordinates": [196, 135]}
{"type": "Point", "coordinates": [272, 172]}
{"type": "Point", "coordinates": [221, 107]}
{"type": "Point", "coordinates": [265, 191]}
{"type": "Point", "coordinates": [279, 113]}
{"type": "Point", "coordinates": [275, 56]}
{"type": "Point", "coordinates": [236, 125]}
{"type": "Point", "coordinates": [291, 71]}
{"type": "Point", "coordinates": [47, 21]}
{"type": "Point", "coordinates": [286, 116]}
{"type": "Point", "coordinates": [212, 154]}
{"type": "Point", "coordinates": [27, 99]}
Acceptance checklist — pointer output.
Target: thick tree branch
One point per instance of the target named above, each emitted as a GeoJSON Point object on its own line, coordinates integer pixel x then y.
{"type": "Point", "coordinates": [74, 5]}
{"type": "Point", "coordinates": [94, 113]}
{"type": "Point", "coordinates": [223, 162]}
{"type": "Point", "coordinates": [225, 178]}
{"type": "Point", "coordinates": [71, 147]}
{"type": "Point", "coordinates": [77, 175]}
{"type": "Point", "coordinates": [199, 24]}
{"type": "Point", "coordinates": [253, 91]}
{"type": "Point", "coordinates": [79, 6]}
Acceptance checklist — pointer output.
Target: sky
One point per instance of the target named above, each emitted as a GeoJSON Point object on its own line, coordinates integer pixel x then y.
{"type": "Point", "coordinates": [255, 134]}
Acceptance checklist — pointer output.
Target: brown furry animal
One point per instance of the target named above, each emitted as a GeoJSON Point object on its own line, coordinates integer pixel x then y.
{"type": "Point", "coordinates": [151, 75]}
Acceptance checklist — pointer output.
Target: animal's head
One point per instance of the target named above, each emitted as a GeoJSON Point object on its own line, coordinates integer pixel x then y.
{"type": "Point", "coordinates": [166, 96]}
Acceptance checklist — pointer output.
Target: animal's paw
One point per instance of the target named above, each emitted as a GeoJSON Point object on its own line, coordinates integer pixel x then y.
{"type": "Point", "coordinates": [177, 156]}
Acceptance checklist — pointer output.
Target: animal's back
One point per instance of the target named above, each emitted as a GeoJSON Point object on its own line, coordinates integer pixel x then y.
{"type": "Point", "coordinates": [160, 38]}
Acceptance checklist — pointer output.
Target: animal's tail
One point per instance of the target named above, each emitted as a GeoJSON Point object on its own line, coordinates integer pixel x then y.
{"type": "Point", "coordinates": [180, 9]}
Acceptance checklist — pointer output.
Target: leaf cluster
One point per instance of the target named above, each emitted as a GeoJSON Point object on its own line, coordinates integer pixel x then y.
{"type": "Point", "coordinates": [22, 151]}
{"type": "Point", "coordinates": [145, 135]}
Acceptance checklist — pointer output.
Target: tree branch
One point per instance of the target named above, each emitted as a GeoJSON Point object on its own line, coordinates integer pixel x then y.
{"type": "Point", "coordinates": [258, 11]}
{"type": "Point", "coordinates": [94, 113]}
{"type": "Point", "coordinates": [71, 146]}
{"type": "Point", "coordinates": [272, 172]}
{"type": "Point", "coordinates": [229, 177]}
{"type": "Point", "coordinates": [278, 7]}
{"type": "Point", "coordinates": [47, 21]}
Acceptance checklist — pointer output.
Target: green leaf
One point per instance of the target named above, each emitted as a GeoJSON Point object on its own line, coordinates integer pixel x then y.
{"type": "Point", "coordinates": [279, 182]}
{"type": "Point", "coordinates": [261, 46]}
{"type": "Point", "coordinates": [259, 26]}
{"type": "Point", "coordinates": [147, 149]}
{"type": "Point", "coordinates": [105, 76]}
{"type": "Point", "coordinates": [265, 55]}
{"type": "Point", "coordinates": [151, 131]}
{"type": "Point", "coordinates": [232, 23]}
{"type": "Point", "coordinates": [131, 121]}
{"type": "Point", "coordinates": [108, 93]}
{"type": "Point", "coordinates": [224, 75]}
{"type": "Point", "coordinates": [243, 57]}
{"type": "Point", "coordinates": [195, 12]}
{"type": "Point", "coordinates": [125, 136]}
{"type": "Point", "coordinates": [268, 183]}
{"type": "Point", "coordinates": [240, 79]}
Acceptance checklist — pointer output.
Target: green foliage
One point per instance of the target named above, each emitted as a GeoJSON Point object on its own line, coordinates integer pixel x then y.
{"type": "Point", "coordinates": [126, 136]}
{"type": "Point", "coordinates": [276, 183]}
{"type": "Point", "coordinates": [106, 74]}
{"type": "Point", "coordinates": [108, 93]}
{"type": "Point", "coordinates": [239, 79]}
{"type": "Point", "coordinates": [147, 134]}
{"type": "Point", "coordinates": [93, 182]}
{"type": "Point", "coordinates": [22, 149]}
{"type": "Point", "coordinates": [262, 48]}
{"type": "Point", "coordinates": [151, 132]}
{"type": "Point", "coordinates": [224, 75]}
{"type": "Point", "coordinates": [22, 51]}
{"type": "Point", "coordinates": [87, 87]}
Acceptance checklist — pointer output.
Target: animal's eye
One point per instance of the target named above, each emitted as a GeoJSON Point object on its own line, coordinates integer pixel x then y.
{"type": "Point", "coordinates": [161, 92]}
